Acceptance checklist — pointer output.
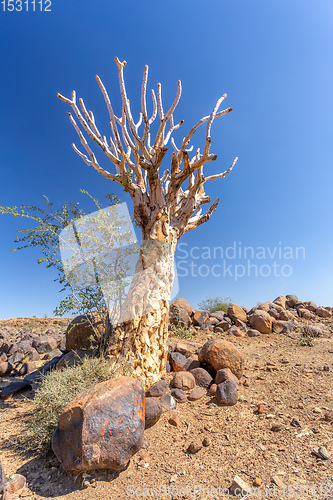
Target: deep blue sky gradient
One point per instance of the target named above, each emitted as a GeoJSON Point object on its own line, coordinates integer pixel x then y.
{"type": "Point", "coordinates": [272, 58]}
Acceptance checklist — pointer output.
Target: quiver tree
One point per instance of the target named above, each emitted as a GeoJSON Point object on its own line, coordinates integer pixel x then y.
{"type": "Point", "coordinates": [166, 205]}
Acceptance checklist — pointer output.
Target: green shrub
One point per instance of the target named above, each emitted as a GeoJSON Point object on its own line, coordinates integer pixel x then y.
{"type": "Point", "coordinates": [215, 304]}
{"type": "Point", "coordinates": [181, 331]}
{"type": "Point", "coordinates": [56, 391]}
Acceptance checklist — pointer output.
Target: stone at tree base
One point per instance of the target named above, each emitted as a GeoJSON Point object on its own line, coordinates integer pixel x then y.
{"type": "Point", "coordinates": [184, 349]}
{"type": "Point", "coordinates": [168, 402]}
{"type": "Point", "coordinates": [219, 353]}
{"type": "Point", "coordinates": [225, 374]}
{"type": "Point", "coordinates": [80, 335]}
{"type": "Point", "coordinates": [202, 377]}
{"type": "Point", "coordinates": [226, 393]}
{"type": "Point", "coordinates": [236, 312]}
{"type": "Point", "coordinates": [3, 357]}
{"type": "Point", "coordinates": [183, 380]}
{"type": "Point", "coordinates": [73, 358]}
{"type": "Point", "coordinates": [261, 321]}
{"type": "Point", "coordinates": [153, 411]}
{"type": "Point", "coordinates": [103, 427]}
{"type": "Point", "coordinates": [157, 390]}
{"type": "Point", "coordinates": [14, 388]}
{"type": "Point", "coordinates": [177, 361]}
{"type": "Point", "coordinates": [192, 362]}
{"type": "Point", "coordinates": [179, 395]}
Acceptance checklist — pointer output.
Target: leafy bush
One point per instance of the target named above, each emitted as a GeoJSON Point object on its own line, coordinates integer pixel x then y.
{"type": "Point", "coordinates": [215, 304]}
{"type": "Point", "coordinates": [56, 391]}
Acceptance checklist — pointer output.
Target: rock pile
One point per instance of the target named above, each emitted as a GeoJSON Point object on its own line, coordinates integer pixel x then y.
{"type": "Point", "coordinates": [280, 316]}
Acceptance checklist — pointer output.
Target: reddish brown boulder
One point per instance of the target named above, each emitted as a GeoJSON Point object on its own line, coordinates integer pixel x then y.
{"type": "Point", "coordinates": [286, 315]}
{"type": "Point", "coordinates": [182, 304]}
{"type": "Point", "coordinates": [183, 380]}
{"type": "Point", "coordinates": [219, 353]}
{"type": "Point", "coordinates": [102, 427]}
{"type": "Point", "coordinates": [157, 390]}
{"type": "Point", "coordinates": [184, 349]}
{"type": "Point", "coordinates": [236, 312]}
{"type": "Point", "coordinates": [261, 321]}
{"type": "Point", "coordinates": [311, 306]}
{"type": "Point", "coordinates": [199, 318]}
{"type": "Point", "coordinates": [84, 332]}
{"type": "Point", "coordinates": [202, 377]}
{"type": "Point", "coordinates": [280, 301]}
{"type": "Point", "coordinates": [323, 313]}
{"type": "Point", "coordinates": [225, 374]}
{"type": "Point", "coordinates": [177, 361]}
{"type": "Point", "coordinates": [292, 300]}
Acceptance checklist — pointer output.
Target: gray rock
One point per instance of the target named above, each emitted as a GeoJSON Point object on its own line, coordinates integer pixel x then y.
{"type": "Point", "coordinates": [153, 411]}
{"type": "Point", "coordinates": [157, 390]}
{"type": "Point", "coordinates": [226, 393]}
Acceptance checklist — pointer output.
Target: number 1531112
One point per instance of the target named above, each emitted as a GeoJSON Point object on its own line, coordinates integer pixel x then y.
{"type": "Point", "coordinates": [26, 5]}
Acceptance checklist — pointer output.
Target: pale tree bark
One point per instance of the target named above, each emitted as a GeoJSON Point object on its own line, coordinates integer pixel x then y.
{"type": "Point", "coordinates": [164, 207]}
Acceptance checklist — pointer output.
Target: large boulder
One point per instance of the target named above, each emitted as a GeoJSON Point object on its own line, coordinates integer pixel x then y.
{"type": "Point", "coordinates": [261, 321]}
{"type": "Point", "coordinates": [84, 332]}
{"type": "Point", "coordinates": [323, 312]}
{"type": "Point", "coordinates": [280, 301]}
{"type": "Point", "coordinates": [236, 312]}
{"type": "Point", "coordinates": [103, 427]}
{"type": "Point", "coordinates": [219, 353]}
{"type": "Point", "coordinates": [179, 312]}
{"type": "Point", "coordinates": [200, 317]}
{"type": "Point", "coordinates": [73, 358]}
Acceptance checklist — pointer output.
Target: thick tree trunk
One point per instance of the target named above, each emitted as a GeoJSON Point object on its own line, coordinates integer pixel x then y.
{"type": "Point", "coordinates": [141, 338]}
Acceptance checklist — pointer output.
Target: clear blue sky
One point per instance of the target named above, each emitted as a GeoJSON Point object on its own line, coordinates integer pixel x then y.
{"type": "Point", "coordinates": [272, 58]}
